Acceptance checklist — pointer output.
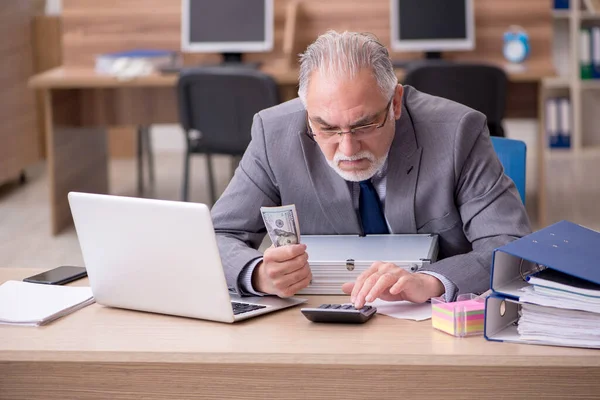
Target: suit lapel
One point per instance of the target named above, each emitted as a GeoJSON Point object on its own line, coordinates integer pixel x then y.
{"type": "Point", "coordinates": [403, 169]}
{"type": "Point", "coordinates": [330, 189]}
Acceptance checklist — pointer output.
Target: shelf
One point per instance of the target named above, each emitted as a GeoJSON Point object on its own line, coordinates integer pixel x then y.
{"type": "Point", "coordinates": [562, 153]}
{"type": "Point", "coordinates": [561, 14]}
{"type": "Point", "coordinates": [584, 15]}
{"type": "Point", "coordinates": [592, 151]}
{"type": "Point", "coordinates": [562, 82]}
{"type": "Point", "coordinates": [587, 84]}
{"type": "Point", "coordinates": [558, 154]}
{"type": "Point", "coordinates": [588, 16]}
{"type": "Point", "coordinates": [556, 82]}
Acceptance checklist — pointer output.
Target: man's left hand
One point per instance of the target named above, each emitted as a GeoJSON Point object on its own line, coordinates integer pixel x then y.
{"type": "Point", "coordinates": [389, 282]}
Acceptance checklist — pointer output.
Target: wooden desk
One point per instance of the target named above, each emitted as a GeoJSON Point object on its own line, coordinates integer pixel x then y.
{"type": "Point", "coordinates": [73, 78]}
{"type": "Point", "coordinates": [99, 353]}
{"type": "Point", "coordinates": [79, 105]}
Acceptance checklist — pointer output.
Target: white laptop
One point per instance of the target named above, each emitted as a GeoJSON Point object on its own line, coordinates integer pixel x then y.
{"type": "Point", "coordinates": [159, 256]}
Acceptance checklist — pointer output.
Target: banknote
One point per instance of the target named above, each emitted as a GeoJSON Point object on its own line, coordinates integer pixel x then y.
{"type": "Point", "coordinates": [282, 224]}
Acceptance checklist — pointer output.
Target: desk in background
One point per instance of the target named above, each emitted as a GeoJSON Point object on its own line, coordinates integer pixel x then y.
{"type": "Point", "coordinates": [100, 352]}
{"type": "Point", "coordinates": [78, 106]}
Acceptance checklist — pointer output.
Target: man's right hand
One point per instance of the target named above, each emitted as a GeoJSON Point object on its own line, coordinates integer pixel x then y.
{"type": "Point", "coordinates": [283, 271]}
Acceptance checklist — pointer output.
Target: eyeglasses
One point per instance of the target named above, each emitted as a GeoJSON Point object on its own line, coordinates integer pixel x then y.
{"type": "Point", "coordinates": [359, 133]}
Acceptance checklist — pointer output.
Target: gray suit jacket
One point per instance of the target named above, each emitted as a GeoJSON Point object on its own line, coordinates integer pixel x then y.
{"type": "Point", "coordinates": [443, 177]}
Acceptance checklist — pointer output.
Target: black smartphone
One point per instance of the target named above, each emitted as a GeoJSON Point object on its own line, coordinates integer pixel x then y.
{"type": "Point", "coordinates": [58, 276]}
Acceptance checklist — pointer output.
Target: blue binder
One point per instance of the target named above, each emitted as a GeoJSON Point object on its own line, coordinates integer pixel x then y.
{"type": "Point", "coordinates": [565, 247]}
{"type": "Point", "coordinates": [561, 4]}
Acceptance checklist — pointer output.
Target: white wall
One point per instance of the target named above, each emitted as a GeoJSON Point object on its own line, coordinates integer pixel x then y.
{"type": "Point", "coordinates": [53, 7]}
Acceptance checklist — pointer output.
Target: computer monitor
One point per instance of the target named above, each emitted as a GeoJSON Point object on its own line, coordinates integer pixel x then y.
{"type": "Point", "coordinates": [229, 27]}
{"type": "Point", "coordinates": [432, 26]}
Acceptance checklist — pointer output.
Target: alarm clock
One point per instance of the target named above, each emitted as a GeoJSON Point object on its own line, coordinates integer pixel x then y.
{"type": "Point", "coordinates": [516, 45]}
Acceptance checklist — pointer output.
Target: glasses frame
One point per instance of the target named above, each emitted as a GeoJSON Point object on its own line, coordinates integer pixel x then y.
{"type": "Point", "coordinates": [351, 132]}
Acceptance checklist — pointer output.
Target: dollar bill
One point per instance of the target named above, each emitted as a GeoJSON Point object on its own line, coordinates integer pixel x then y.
{"type": "Point", "coordinates": [282, 224]}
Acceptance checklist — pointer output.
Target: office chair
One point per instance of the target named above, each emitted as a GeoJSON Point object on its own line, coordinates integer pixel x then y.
{"type": "Point", "coordinates": [513, 156]}
{"type": "Point", "coordinates": [479, 86]}
{"type": "Point", "coordinates": [216, 107]}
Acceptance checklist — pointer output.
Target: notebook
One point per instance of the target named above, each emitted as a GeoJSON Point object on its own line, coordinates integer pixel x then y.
{"type": "Point", "coordinates": [24, 303]}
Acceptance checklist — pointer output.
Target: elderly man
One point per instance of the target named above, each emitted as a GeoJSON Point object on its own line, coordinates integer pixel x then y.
{"type": "Point", "coordinates": [358, 153]}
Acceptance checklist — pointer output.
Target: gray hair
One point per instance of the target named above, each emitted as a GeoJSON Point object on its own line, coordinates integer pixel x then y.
{"type": "Point", "coordinates": [347, 53]}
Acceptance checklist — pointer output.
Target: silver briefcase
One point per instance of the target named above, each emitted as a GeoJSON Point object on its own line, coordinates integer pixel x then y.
{"type": "Point", "coordinates": [336, 259]}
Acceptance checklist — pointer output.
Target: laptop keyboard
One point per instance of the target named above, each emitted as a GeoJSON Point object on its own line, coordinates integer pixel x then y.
{"type": "Point", "coordinates": [240, 308]}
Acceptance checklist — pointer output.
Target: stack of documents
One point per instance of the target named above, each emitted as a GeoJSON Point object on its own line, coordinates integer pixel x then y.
{"type": "Point", "coordinates": [135, 62]}
{"type": "Point", "coordinates": [556, 289]}
{"type": "Point", "coordinates": [560, 309]}
{"type": "Point", "coordinates": [24, 303]}
{"type": "Point", "coordinates": [559, 326]}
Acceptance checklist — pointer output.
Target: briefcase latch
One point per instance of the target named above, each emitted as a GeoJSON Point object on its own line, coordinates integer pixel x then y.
{"type": "Point", "coordinates": [350, 264]}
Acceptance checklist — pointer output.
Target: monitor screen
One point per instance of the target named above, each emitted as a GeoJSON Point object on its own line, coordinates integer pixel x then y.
{"type": "Point", "coordinates": [434, 25]}
{"type": "Point", "coordinates": [227, 25]}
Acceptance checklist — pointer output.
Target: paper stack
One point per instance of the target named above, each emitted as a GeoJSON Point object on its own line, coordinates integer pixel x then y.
{"type": "Point", "coordinates": [560, 309]}
{"type": "Point", "coordinates": [24, 303]}
{"type": "Point", "coordinates": [463, 317]}
{"type": "Point", "coordinates": [135, 62]}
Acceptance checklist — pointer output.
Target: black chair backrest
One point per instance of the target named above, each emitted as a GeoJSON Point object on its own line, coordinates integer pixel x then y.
{"type": "Point", "coordinates": [220, 103]}
{"type": "Point", "coordinates": [479, 86]}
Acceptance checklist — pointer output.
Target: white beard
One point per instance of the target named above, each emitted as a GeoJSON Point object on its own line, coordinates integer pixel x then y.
{"type": "Point", "coordinates": [358, 175]}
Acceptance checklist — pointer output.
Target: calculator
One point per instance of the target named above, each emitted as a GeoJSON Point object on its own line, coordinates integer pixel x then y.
{"type": "Point", "coordinates": [339, 313]}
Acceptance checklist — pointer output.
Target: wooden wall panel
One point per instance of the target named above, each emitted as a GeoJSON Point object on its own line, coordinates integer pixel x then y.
{"type": "Point", "coordinates": [47, 39]}
{"type": "Point", "coordinates": [93, 27]}
{"type": "Point", "coordinates": [18, 133]}
{"type": "Point", "coordinates": [47, 54]}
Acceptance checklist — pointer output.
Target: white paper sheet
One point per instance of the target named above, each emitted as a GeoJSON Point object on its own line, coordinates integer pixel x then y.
{"type": "Point", "coordinates": [559, 299]}
{"type": "Point", "coordinates": [559, 326]}
{"type": "Point", "coordinates": [24, 303]}
{"type": "Point", "coordinates": [403, 309]}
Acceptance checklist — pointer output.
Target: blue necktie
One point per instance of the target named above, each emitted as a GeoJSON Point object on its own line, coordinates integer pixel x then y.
{"type": "Point", "coordinates": [371, 214]}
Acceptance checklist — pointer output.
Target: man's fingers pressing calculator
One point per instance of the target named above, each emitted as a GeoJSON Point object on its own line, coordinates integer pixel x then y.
{"type": "Point", "coordinates": [339, 313]}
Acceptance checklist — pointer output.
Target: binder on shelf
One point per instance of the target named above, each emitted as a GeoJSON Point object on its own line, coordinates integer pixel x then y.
{"type": "Point", "coordinates": [564, 249]}
{"type": "Point", "coordinates": [561, 4]}
{"type": "Point", "coordinates": [595, 38]}
{"type": "Point", "coordinates": [564, 125]}
{"type": "Point", "coordinates": [585, 58]}
{"type": "Point", "coordinates": [552, 122]}
{"type": "Point", "coordinates": [337, 259]}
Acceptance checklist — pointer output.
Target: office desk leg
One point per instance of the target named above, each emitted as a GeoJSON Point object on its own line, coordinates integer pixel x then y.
{"type": "Point", "coordinates": [77, 157]}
